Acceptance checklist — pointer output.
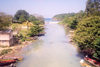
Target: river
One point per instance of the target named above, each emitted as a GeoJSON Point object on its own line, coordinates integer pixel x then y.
{"type": "Point", "coordinates": [51, 50]}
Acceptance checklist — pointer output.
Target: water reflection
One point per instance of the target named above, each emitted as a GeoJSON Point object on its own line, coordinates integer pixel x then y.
{"type": "Point", "coordinates": [52, 50]}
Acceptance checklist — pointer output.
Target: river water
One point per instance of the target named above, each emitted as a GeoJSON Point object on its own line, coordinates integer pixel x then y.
{"type": "Point", "coordinates": [51, 50]}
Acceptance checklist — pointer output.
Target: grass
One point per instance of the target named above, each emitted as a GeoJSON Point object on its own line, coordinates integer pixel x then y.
{"type": "Point", "coordinates": [5, 51]}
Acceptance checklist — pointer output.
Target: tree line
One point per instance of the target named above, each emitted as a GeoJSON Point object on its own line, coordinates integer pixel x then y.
{"type": "Point", "coordinates": [21, 16]}
{"type": "Point", "coordinates": [86, 25]}
{"type": "Point", "coordinates": [5, 21]}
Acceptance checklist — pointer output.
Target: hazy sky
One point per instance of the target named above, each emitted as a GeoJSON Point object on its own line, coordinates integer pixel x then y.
{"type": "Point", "coordinates": [47, 8]}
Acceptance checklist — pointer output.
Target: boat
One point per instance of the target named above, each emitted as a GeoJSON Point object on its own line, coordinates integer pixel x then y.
{"type": "Point", "coordinates": [4, 62]}
{"type": "Point", "coordinates": [84, 63]}
{"type": "Point", "coordinates": [92, 61]}
{"type": "Point", "coordinates": [89, 62]}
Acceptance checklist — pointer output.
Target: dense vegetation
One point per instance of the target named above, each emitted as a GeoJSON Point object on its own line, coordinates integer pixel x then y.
{"type": "Point", "coordinates": [35, 30]}
{"type": "Point", "coordinates": [73, 19]}
{"type": "Point", "coordinates": [87, 35]}
{"type": "Point", "coordinates": [25, 24]}
{"type": "Point", "coordinates": [31, 22]}
{"type": "Point", "coordinates": [5, 21]}
{"type": "Point", "coordinates": [32, 18]}
{"type": "Point", "coordinates": [21, 16]}
{"type": "Point", "coordinates": [60, 17]}
{"type": "Point", "coordinates": [86, 25]}
{"type": "Point", "coordinates": [93, 8]}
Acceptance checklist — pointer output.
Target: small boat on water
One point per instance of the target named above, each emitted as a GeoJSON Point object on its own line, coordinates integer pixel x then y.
{"type": "Point", "coordinates": [84, 64]}
{"type": "Point", "coordinates": [89, 62]}
{"type": "Point", "coordinates": [9, 60]}
{"type": "Point", "coordinates": [92, 61]}
{"type": "Point", "coordinates": [4, 62]}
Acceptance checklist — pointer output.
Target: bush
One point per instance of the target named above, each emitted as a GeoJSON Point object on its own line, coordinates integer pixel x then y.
{"type": "Point", "coordinates": [35, 30]}
{"type": "Point", "coordinates": [5, 51]}
{"type": "Point", "coordinates": [21, 16]}
{"type": "Point", "coordinates": [87, 36]}
{"type": "Point", "coordinates": [73, 20]}
{"type": "Point", "coordinates": [5, 21]}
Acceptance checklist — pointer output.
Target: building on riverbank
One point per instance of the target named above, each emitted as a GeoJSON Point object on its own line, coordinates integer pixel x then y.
{"type": "Point", "coordinates": [6, 38]}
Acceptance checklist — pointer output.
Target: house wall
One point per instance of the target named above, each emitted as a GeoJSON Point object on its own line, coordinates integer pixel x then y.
{"type": "Point", "coordinates": [4, 43]}
{"type": "Point", "coordinates": [6, 39]}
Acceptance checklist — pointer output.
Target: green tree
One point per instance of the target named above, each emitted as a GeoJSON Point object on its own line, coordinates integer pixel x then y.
{"type": "Point", "coordinates": [32, 18]}
{"type": "Point", "coordinates": [73, 23]}
{"type": "Point", "coordinates": [35, 30]}
{"type": "Point", "coordinates": [61, 17]}
{"type": "Point", "coordinates": [93, 8]}
{"type": "Point", "coordinates": [40, 19]}
{"type": "Point", "coordinates": [72, 20]}
{"type": "Point", "coordinates": [97, 48]}
{"type": "Point", "coordinates": [36, 19]}
{"type": "Point", "coordinates": [21, 15]}
{"type": "Point", "coordinates": [87, 36]}
{"type": "Point", "coordinates": [5, 21]}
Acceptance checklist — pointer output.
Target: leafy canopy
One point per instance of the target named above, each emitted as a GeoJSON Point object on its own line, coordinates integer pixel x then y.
{"type": "Point", "coordinates": [21, 15]}
{"type": "Point", "coordinates": [5, 21]}
{"type": "Point", "coordinates": [93, 7]}
{"type": "Point", "coordinates": [87, 36]}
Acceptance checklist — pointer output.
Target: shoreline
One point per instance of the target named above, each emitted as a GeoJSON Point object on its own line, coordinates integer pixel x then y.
{"type": "Point", "coordinates": [16, 52]}
{"type": "Point", "coordinates": [70, 34]}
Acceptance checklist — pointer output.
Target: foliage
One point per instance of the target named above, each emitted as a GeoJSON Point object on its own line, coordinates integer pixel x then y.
{"type": "Point", "coordinates": [5, 51]}
{"type": "Point", "coordinates": [40, 19]}
{"type": "Point", "coordinates": [5, 21]}
{"type": "Point", "coordinates": [32, 18]}
{"type": "Point", "coordinates": [72, 20]}
{"type": "Point", "coordinates": [23, 34]}
{"type": "Point", "coordinates": [21, 15]}
{"type": "Point", "coordinates": [87, 26]}
{"type": "Point", "coordinates": [37, 22]}
{"type": "Point", "coordinates": [60, 17]}
{"type": "Point", "coordinates": [35, 30]}
{"type": "Point", "coordinates": [93, 8]}
{"type": "Point", "coordinates": [97, 47]}
{"type": "Point", "coordinates": [87, 36]}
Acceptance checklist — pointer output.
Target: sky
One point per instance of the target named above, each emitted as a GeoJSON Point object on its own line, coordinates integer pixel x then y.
{"type": "Point", "coordinates": [46, 8]}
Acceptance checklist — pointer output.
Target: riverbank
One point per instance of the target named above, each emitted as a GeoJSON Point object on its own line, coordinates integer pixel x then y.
{"type": "Point", "coordinates": [15, 51]}
{"type": "Point", "coordinates": [52, 50]}
{"type": "Point", "coordinates": [70, 34]}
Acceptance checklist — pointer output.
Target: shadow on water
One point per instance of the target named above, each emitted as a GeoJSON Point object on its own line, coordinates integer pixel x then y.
{"type": "Point", "coordinates": [80, 55]}
{"type": "Point", "coordinates": [41, 35]}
